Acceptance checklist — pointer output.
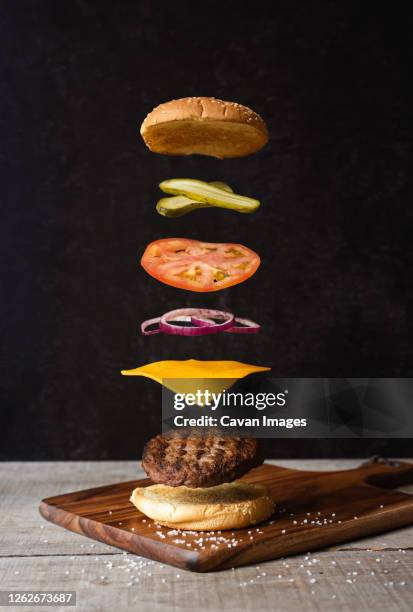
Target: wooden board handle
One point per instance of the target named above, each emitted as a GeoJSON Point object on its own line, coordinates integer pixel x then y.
{"type": "Point", "coordinates": [389, 474]}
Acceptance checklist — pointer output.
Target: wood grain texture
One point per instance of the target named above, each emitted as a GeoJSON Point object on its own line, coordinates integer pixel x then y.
{"type": "Point", "coordinates": [314, 510]}
{"type": "Point", "coordinates": [36, 554]}
{"type": "Point", "coordinates": [285, 587]}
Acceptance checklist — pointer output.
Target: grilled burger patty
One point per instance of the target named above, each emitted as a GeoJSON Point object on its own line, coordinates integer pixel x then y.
{"type": "Point", "coordinates": [199, 461]}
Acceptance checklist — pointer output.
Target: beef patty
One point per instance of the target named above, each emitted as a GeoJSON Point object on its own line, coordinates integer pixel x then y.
{"type": "Point", "coordinates": [199, 461]}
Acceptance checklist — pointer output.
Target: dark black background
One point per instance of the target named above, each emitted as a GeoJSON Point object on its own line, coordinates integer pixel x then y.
{"type": "Point", "coordinates": [332, 80]}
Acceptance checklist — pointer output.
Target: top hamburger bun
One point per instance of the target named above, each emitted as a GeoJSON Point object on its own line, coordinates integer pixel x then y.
{"type": "Point", "coordinates": [206, 126]}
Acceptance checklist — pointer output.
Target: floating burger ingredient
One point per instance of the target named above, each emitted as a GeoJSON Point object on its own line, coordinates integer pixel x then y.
{"type": "Point", "coordinates": [199, 266]}
{"type": "Point", "coordinates": [191, 194]}
{"type": "Point", "coordinates": [205, 126]}
{"type": "Point", "coordinates": [176, 206]}
{"type": "Point", "coordinates": [191, 375]}
{"type": "Point", "coordinates": [199, 461]}
{"type": "Point", "coordinates": [198, 322]}
{"type": "Point", "coordinates": [194, 483]}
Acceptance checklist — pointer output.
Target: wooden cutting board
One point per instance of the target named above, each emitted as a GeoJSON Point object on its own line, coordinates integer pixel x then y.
{"type": "Point", "coordinates": [314, 510]}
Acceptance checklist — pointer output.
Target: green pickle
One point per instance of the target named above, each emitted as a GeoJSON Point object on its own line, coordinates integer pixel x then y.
{"type": "Point", "coordinates": [176, 206]}
{"type": "Point", "coordinates": [190, 194]}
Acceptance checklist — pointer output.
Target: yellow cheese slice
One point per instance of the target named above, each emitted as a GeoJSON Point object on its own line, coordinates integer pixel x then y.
{"type": "Point", "coordinates": [190, 375]}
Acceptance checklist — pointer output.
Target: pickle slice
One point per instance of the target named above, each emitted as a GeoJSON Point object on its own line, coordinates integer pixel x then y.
{"type": "Point", "coordinates": [176, 206]}
{"type": "Point", "coordinates": [205, 193]}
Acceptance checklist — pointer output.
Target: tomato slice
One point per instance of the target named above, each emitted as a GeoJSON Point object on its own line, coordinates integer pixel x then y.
{"type": "Point", "coordinates": [199, 266]}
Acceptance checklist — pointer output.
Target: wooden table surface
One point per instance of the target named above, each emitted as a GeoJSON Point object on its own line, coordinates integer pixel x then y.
{"type": "Point", "coordinates": [370, 574]}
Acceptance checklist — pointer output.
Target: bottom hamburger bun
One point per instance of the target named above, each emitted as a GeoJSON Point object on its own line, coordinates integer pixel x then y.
{"type": "Point", "coordinates": [227, 506]}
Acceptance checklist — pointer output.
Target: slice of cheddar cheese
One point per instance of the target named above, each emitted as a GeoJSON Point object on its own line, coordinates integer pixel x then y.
{"type": "Point", "coordinates": [190, 375]}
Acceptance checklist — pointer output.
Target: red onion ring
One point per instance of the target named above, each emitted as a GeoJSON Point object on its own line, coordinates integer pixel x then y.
{"type": "Point", "coordinates": [147, 324]}
{"type": "Point", "coordinates": [203, 323]}
{"type": "Point", "coordinates": [245, 326]}
{"type": "Point", "coordinates": [190, 314]}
